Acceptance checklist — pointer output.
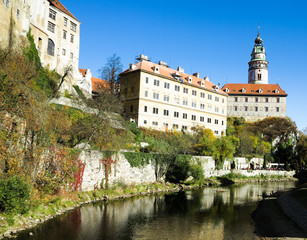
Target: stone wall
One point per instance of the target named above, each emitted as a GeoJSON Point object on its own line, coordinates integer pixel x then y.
{"type": "Point", "coordinates": [122, 172]}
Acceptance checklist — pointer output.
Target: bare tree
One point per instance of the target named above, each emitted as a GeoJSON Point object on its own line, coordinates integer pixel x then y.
{"type": "Point", "coordinates": [111, 71]}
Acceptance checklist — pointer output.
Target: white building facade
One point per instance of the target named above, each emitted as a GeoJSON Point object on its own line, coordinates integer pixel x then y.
{"type": "Point", "coordinates": [161, 98]}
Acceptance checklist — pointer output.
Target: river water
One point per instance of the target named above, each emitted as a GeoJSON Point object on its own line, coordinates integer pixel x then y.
{"type": "Point", "coordinates": [208, 213]}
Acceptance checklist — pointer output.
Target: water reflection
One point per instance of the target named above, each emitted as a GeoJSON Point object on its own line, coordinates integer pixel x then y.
{"type": "Point", "coordinates": [209, 213]}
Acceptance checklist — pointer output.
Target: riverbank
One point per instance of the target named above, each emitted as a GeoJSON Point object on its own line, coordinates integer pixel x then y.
{"type": "Point", "coordinates": [283, 215]}
{"type": "Point", "coordinates": [44, 207]}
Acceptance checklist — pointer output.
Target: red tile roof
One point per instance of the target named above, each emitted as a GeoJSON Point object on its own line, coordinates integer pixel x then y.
{"type": "Point", "coordinates": [60, 6]}
{"type": "Point", "coordinates": [169, 73]}
{"type": "Point", "coordinates": [253, 89]}
{"type": "Point", "coordinates": [97, 84]}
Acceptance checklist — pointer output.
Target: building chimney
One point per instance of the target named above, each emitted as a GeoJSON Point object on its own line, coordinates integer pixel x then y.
{"type": "Point", "coordinates": [180, 69]}
{"type": "Point", "coordinates": [206, 78]}
{"type": "Point", "coordinates": [132, 66]}
{"type": "Point", "coordinates": [196, 75]}
{"type": "Point", "coordinates": [143, 58]}
{"type": "Point", "coordinates": [164, 64]}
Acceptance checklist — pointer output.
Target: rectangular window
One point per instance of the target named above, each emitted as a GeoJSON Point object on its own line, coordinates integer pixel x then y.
{"type": "Point", "coordinates": [177, 88]}
{"type": "Point", "coordinates": [246, 99]}
{"type": "Point", "coordinates": [156, 96]}
{"type": "Point", "coordinates": [71, 55]}
{"type": "Point", "coordinates": [155, 110]}
{"type": "Point", "coordinates": [209, 120]}
{"type": "Point", "coordinates": [145, 108]}
{"type": "Point", "coordinates": [177, 100]}
{"type": "Point", "coordinates": [131, 108]}
{"type": "Point", "coordinates": [209, 96]}
{"type": "Point", "coordinates": [184, 128]}
{"type": "Point", "coordinates": [6, 3]}
{"type": "Point", "coordinates": [166, 85]}
{"type": "Point", "coordinates": [194, 93]}
{"type": "Point", "coordinates": [202, 119]}
{"type": "Point", "coordinates": [185, 116]}
{"type": "Point", "coordinates": [216, 121]}
{"type": "Point", "coordinates": [222, 123]}
{"type": "Point", "coordinates": [256, 99]}
{"type": "Point", "coordinates": [216, 109]}
{"type": "Point", "coordinates": [256, 109]}
{"type": "Point", "coordinates": [235, 108]}
{"type": "Point", "coordinates": [277, 100]}
{"type": "Point", "coordinates": [216, 132]}
{"type": "Point", "coordinates": [193, 104]}
{"type": "Point", "coordinates": [64, 34]}
{"type": "Point", "coordinates": [51, 27]}
{"type": "Point", "coordinates": [277, 109]}
{"type": "Point", "coordinates": [52, 14]}
{"type": "Point", "coordinates": [65, 21]}
{"type": "Point", "coordinates": [73, 26]}
{"type": "Point", "coordinates": [236, 99]}
{"type": "Point", "coordinates": [146, 80]}
{"type": "Point", "coordinates": [185, 90]}
{"type": "Point", "coordinates": [146, 93]}
{"type": "Point", "coordinates": [155, 123]}
{"type": "Point", "coordinates": [185, 102]}
{"type": "Point", "coordinates": [166, 112]}
{"type": "Point", "coordinates": [156, 82]}
{"type": "Point", "coordinates": [202, 106]}
{"type": "Point", "coordinates": [259, 76]}
{"type": "Point", "coordinates": [176, 114]}
{"type": "Point", "coordinates": [217, 99]}
{"type": "Point", "coordinates": [193, 117]}
{"type": "Point", "coordinates": [145, 121]}
{"type": "Point", "coordinates": [18, 13]}
{"type": "Point", "coordinates": [202, 95]}
{"type": "Point", "coordinates": [175, 126]}
{"type": "Point", "coordinates": [266, 109]}
{"type": "Point", "coordinates": [245, 109]}
{"type": "Point", "coordinates": [71, 38]}
{"type": "Point", "coordinates": [64, 52]}
{"type": "Point", "coordinates": [266, 99]}
{"type": "Point", "coordinates": [166, 98]}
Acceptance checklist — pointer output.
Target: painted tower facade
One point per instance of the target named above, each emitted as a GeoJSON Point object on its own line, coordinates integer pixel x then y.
{"type": "Point", "coordinates": [258, 66]}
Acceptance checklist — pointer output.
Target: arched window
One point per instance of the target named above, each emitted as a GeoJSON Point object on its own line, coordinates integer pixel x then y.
{"type": "Point", "coordinates": [50, 49]}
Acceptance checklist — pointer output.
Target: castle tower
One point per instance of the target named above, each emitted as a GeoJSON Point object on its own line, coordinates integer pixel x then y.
{"type": "Point", "coordinates": [258, 66]}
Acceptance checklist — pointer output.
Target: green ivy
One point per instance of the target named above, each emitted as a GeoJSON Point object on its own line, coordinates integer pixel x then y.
{"type": "Point", "coordinates": [80, 93]}
{"type": "Point", "coordinates": [139, 159]}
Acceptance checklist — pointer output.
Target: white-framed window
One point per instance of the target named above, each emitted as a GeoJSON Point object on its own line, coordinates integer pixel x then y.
{"type": "Point", "coordinates": [216, 132]}
{"type": "Point", "coordinates": [155, 110]}
{"type": "Point", "coordinates": [18, 14]}
{"type": "Point", "coordinates": [202, 106]}
{"type": "Point", "coordinates": [185, 90]}
{"type": "Point", "coordinates": [235, 108]}
{"type": "Point", "coordinates": [193, 117]}
{"type": "Point", "coordinates": [256, 109]}
{"type": "Point", "coordinates": [71, 55]}
{"type": "Point", "coordinates": [236, 99]}
{"type": "Point", "coordinates": [185, 116]}
{"type": "Point", "coordinates": [156, 95]}
{"type": "Point", "coordinates": [216, 121]}
{"type": "Point", "coordinates": [266, 109]}
{"type": "Point", "coordinates": [64, 34]}
{"type": "Point", "coordinates": [246, 99]}
{"type": "Point", "coordinates": [166, 85]}
{"type": "Point", "coordinates": [194, 92]}
{"type": "Point", "coordinates": [277, 100]}
{"type": "Point", "coordinates": [209, 120]}
{"type": "Point", "coordinates": [52, 14]}
{"type": "Point", "coordinates": [245, 108]}
{"type": "Point", "coordinates": [145, 121]}
{"type": "Point", "coordinates": [145, 108]}
{"type": "Point", "coordinates": [156, 82]}
{"type": "Point", "coordinates": [202, 95]}
{"type": "Point", "coordinates": [154, 123]}
{"type": "Point", "coordinates": [277, 109]}
{"type": "Point", "coordinates": [51, 27]}
{"type": "Point", "coordinates": [166, 98]}
{"type": "Point", "coordinates": [222, 123]}
{"type": "Point", "coordinates": [202, 119]}
{"type": "Point", "coordinates": [166, 112]}
{"type": "Point", "coordinates": [177, 100]}
{"type": "Point", "coordinates": [176, 114]}
{"type": "Point", "coordinates": [146, 80]}
{"type": "Point", "coordinates": [71, 38]}
{"type": "Point", "coordinates": [146, 93]}
{"type": "Point", "coordinates": [216, 109]}
{"type": "Point", "coordinates": [184, 128]}
{"type": "Point", "coordinates": [175, 126]}
{"type": "Point", "coordinates": [64, 51]}
{"type": "Point", "coordinates": [73, 26]}
{"type": "Point", "coordinates": [185, 102]}
{"type": "Point", "coordinates": [193, 104]}
{"type": "Point", "coordinates": [177, 88]}
{"type": "Point", "coordinates": [217, 99]}
{"type": "Point", "coordinates": [209, 96]}
{"type": "Point", "coordinates": [65, 21]}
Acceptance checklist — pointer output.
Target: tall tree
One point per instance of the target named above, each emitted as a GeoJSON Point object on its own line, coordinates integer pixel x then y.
{"type": "Point", "coordinates": [110, 72]}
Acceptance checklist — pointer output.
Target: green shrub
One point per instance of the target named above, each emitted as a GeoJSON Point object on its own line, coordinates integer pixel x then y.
{"type": "Point", "coordinates": [197, 171]}
{"type": "Point", "coordinates": [14, 193]}
{"type": "Point", "coordinates": [178, 169]}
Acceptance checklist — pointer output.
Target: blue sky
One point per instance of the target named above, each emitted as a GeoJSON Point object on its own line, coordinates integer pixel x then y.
{"type": "Point", "coordinates": [214, 38]}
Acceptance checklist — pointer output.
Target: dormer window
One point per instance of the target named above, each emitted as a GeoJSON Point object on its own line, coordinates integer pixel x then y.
{"type": "Point", "coordinates": [190, 79]}
{"type": "Point", "coordinates": [216, 87]}
{"type": "Point", "coordinates": [202, 83]}
{"type": "Point", "coordinates": [227, 90]}
{"type": "Point", "coordinates": [260, 90]}
{"type": "Point", "coordinates": [276, 91]}
{"type": "Point", "coordinates": [156, 69]}
{"type": "Point", "coordinates": [243, 90]}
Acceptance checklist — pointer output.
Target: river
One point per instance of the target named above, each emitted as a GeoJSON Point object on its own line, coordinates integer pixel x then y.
{"type": "Point", "coordinates": [207, 213]}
